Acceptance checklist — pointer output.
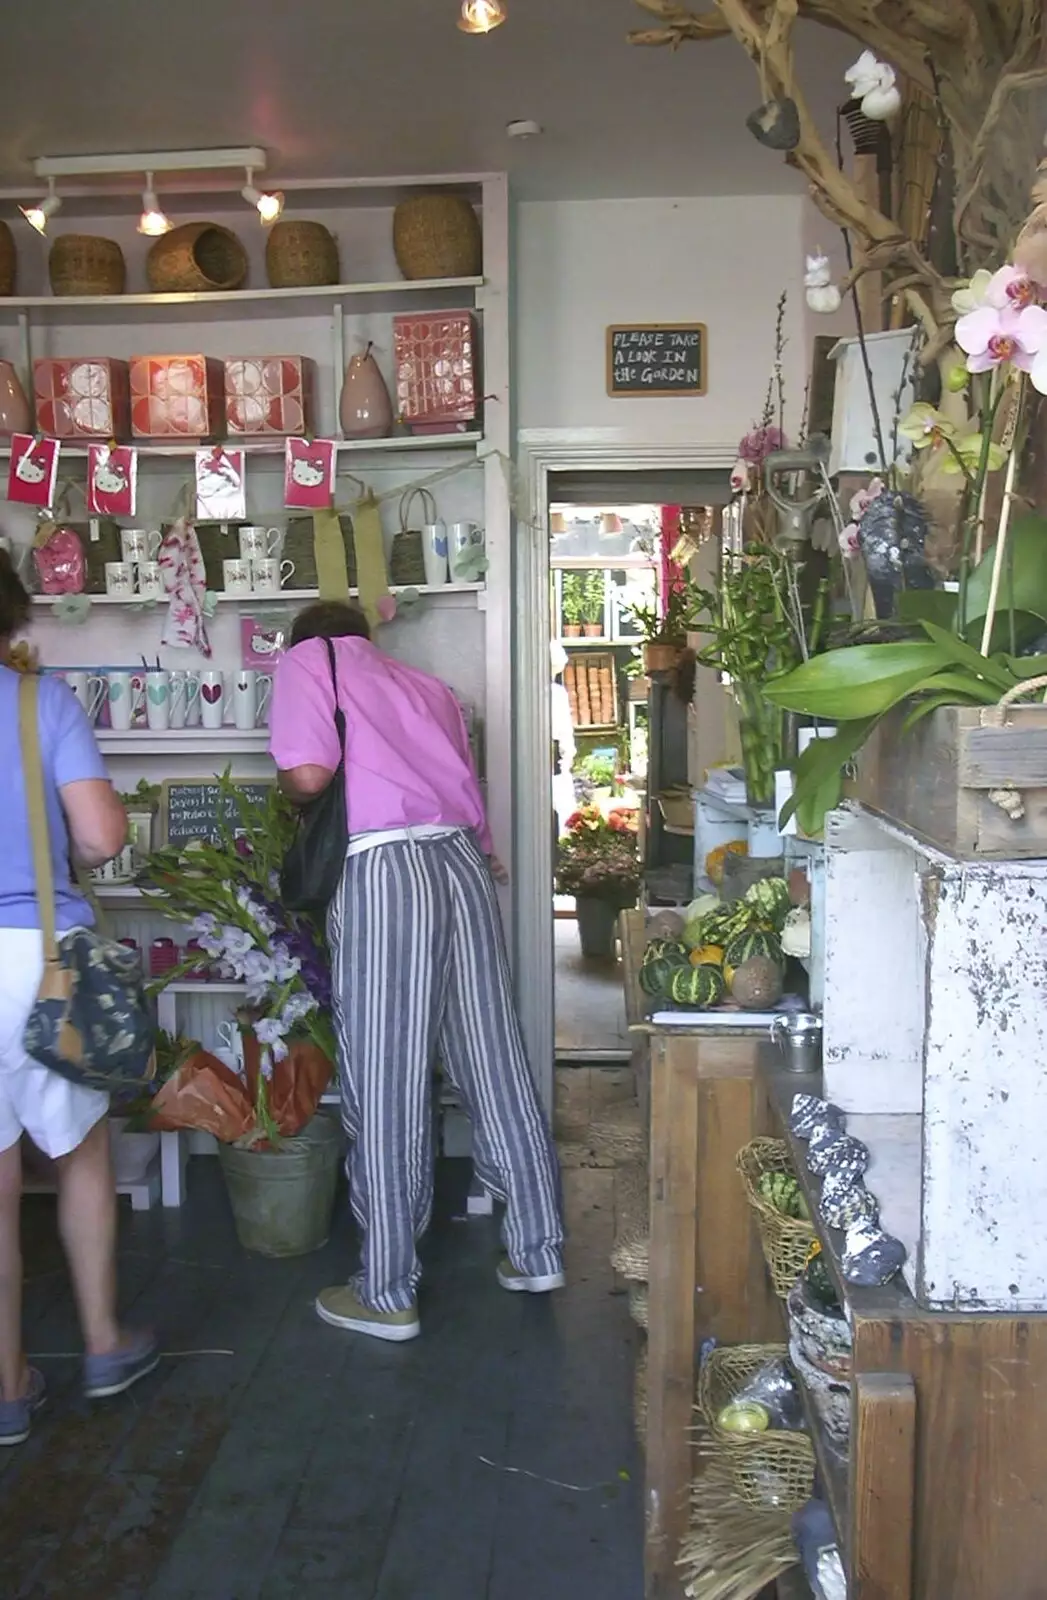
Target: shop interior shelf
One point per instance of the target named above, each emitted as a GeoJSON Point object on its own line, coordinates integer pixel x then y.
{"type": "Point", "coordinates": [275, 447]}
{"type": "Point", "coordinates": [184, 741]}
{"type": "Point", "coordinates": [400, 289]}
{"type": "Point", "coordinates": [285, 597]}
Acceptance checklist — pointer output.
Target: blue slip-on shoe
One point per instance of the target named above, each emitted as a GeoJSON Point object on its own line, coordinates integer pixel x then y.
{"type": "Point", "coordinates": [16, 1416]}
{"type": "Point", "coordinates": [112, 1374]}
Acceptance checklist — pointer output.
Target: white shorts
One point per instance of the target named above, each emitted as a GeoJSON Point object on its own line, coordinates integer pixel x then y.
{"type": "Point", "coordinates": [57, 1115]}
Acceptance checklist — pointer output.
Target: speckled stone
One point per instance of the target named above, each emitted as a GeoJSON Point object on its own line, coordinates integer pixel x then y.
{"type": "Point", "coordinates": [810, 1112]}
{"type": "Point", "coordinates": [871, 1257]}
{"type": "Point", "coordinates": [845, 1200]}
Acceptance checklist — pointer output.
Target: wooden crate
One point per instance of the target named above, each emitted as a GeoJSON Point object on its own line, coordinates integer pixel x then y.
{"type": "Point", "coordinates": [936, 779]}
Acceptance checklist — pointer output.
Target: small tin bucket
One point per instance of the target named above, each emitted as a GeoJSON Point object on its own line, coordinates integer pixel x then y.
{"type": "Point", "coordinates": [799, 1038]}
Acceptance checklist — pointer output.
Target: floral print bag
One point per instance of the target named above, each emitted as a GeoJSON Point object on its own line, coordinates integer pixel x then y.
{"type": "Point", "coordinates": [92, 1021]}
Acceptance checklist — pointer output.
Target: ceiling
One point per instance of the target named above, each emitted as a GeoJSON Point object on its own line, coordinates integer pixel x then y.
{"type": "Point", "coordinates": [343, 88]}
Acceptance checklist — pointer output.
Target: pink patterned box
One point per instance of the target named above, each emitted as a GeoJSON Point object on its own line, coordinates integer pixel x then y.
{"type": "Point", "coordinates": [269, 394]}
{"type": "Point", "coordinates": [437, 367]}
{"type": "Point", "coordinates": [176, 397]}
{"type": "Point", "coordinates": [82, 397]}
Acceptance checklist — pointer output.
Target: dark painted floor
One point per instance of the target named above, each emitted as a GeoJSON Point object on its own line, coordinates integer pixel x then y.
{"type": "Point", "coordinates": [273, 1457]}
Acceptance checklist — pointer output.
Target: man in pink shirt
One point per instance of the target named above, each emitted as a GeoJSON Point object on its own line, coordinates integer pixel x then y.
{"type": "Point", "coordinates": [419, 966]}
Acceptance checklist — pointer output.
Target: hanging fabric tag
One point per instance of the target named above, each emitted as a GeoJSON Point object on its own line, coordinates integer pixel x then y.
{"type": "Point", "coordinates": [371, 573]}
{"type": "Point", "coordinates": [332, 577]}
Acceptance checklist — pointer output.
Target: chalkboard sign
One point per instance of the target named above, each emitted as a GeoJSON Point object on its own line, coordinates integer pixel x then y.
{"type": "Point", "coordinates": [191, 808]}
{"type": "Point", "coordinates": [661, 359]}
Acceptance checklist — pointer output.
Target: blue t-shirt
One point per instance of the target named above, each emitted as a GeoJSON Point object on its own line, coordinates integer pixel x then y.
{"type": "Point", "coordinates": [69, 754]}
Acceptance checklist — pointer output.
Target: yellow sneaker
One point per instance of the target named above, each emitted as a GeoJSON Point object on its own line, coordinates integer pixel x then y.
{"type": "Point", "coordinates": [340, 1307]}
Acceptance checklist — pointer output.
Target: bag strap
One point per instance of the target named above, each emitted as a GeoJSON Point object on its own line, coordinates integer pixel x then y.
{"type": "Point", "coordinates": [339, 714]}
{"type": "Point", "coordinates": [36, 801]}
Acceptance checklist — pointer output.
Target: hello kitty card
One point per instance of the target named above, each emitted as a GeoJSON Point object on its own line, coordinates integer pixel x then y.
{"type": "Point", "coordinates": [309, 467]}
{"type": "Point", "coordinates": [221, 490]}
{"type": "Point", "coordinates": [112, 480]}
{"type": "Point", "coordinates": [33, 470]}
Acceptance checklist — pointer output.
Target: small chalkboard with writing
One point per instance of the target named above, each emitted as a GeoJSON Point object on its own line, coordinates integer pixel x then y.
{"type": "Point", "coordinates": [192, 808]}
{"type": "Point", "coordinates": [661, 358]}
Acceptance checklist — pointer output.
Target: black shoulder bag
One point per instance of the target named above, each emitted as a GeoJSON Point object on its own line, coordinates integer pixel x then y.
{"type": "Point", "coordinates": [312, 868]}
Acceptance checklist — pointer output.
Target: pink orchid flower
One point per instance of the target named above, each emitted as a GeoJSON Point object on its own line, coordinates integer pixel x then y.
{"type": "Point", "coordinates": [990, 336]}
{"type": "Point", "coordinates": [1011, 289]}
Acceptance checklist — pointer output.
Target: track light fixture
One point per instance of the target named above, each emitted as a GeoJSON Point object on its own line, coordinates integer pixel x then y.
{"type": "Point", "coordinates": [37, 215]}
{"type": "Point", "coordinates": [481, 16]}
{"type": "Point", "coordinates": [152, 222]}
{"type": "Point", "coordinates": [268, 206]}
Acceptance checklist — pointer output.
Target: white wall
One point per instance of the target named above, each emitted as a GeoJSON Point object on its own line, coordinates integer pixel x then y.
{"type": "Point", "coordinates": [584, 265]}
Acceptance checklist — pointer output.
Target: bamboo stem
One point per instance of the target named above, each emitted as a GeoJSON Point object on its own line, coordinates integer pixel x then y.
{"type": "Point", "coordinates": [1001, 541]}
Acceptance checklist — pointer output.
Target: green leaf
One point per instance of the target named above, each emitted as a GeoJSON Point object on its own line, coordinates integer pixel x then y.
{"type": "Point", "coordinates": [927, 605]}
{"type": "Point", "coordinates": [965, 655]}
{"type": "Point", "coordinates": [1028, 558]}
{"type": "Point", "coordinates": [819, 775]}
{"type": "Point", "coordinates": [863, 680]}
{"type": "Point", "coordinates": [963, 689]}
{"type": "Point", "coordinates": [1026, 666]}
{"type": "Point", "coordinates": [1027, 630]}
{"type": "Point", "coordinates": [928, 703]}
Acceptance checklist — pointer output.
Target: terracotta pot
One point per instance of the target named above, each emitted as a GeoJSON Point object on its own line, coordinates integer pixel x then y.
{"type": "Point", "coordinates": [15, 413]}
{"type": "Point", "coordinates": [572, 630]}
{"type": "Point", "coordinates": [593, 630]}
{"type": "Point", "coordinates": [365, 410]}
{"type": "Point", "coordinates": [661, 657]}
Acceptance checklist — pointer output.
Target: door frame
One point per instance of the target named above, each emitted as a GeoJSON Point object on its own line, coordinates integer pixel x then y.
{"type": "Point", "coordinates": [540, 454]}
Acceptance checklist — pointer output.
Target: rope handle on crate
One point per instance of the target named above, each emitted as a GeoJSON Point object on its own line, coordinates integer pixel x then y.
{"type": "Point", "coordinates": [996, 716]}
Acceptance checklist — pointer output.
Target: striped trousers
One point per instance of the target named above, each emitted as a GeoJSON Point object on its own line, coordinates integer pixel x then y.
{"type": "Point", "coordinates": [420, 971]}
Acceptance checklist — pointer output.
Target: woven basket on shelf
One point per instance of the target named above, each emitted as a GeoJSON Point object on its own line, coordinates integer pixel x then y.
{"type": "Point", "coordinates": [300, 255]}
{"type": "Point", "coordinates": [197, 258]}
{"type": "Point", "coordinates": [81, 263]}
{"type": "Point", "coordinates": [97, 552]}
{"type": "Point", "coordinates": [300, 548]}
{"type": "Point", "coordinates": [638, 1303]}
{"type": "Point", "coordinates": [218, 541]}
{"type": "Point", "coordinates": [631, 1254]}
{"type": "Point", "coordinates": [406, 559]}
{"type": "Point", "coordinates": [7, 259]}
{"type": "Point", "coordinates": [786, 1240]}
{"type": "Point", "coordinates": [437, 236]}
{"type": "Point", "coordinates": [773, 1469]}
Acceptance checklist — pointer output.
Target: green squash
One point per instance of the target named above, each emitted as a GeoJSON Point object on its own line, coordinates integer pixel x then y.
{"type": "Point", "coordinates": [656, 971]}
{"type": "Point", "coordinates": [772, 900]}
{"type": "Point", "coordinates": [757, 941]}
{"type": "Point", "coordinates": [698, 988]}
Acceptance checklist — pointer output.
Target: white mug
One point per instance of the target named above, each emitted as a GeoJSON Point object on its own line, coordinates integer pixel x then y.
{"type": "Point", "coordinates": [251, 693]}
{"type": "Point", "coordinates": [258, 543]}
{"type": "Point", "coordinates": [434, 553]}
{"type": "Point", "coordinates": [138, 544]}
{"type": "Point", "coordinates": [185, 699]}
{"type": "Point", "coordinates": [89, 688]}
{"type": "Point", "coordinates": [158, 701]}
{"type": "Point", "coordinates": [126, 695]}
{"type": "Point", "coordinates": [236, 576]}
{"type": "Point", "coordinates": [465, 539]}
{"type": "Point", "coordinates": [150, 581]}
{"type": "Point", "coordinates": [212, 699]}
{"type": "Point", "coordinates": [119, 579]}
{"type": "Point", "coordinates": [230, 1048]}
{"type": "Point", "coordinates": [270, 574]}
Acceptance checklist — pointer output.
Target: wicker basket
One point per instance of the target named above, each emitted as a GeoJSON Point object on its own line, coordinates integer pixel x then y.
{"type": "Point", "coordinates": [7, 259]}
{"type": "Point", "coordinates": [81, 263]}
{"type": "Point", "coordinates": [640, 1394]}
{"type": "Point", "coordinates": [773, 1469]}
{"type": "Point", "coordinates": [300, 255]}
{"type": "Point", "coordinates": [638, 1305]}
{"type": "Point", "coordinates": [786, 1240]}
{"type": "Point", "coordinates": [197, 258]}
{"type": "Point", "coordinates": [437, 236]}
{"type": "Point", "coordinates": [300, 548]}
{"type": "Point", "coordinates": [630, 1256]}
{"type": "Point", "coordinates": [407, 558]}
{"type": "Point", "coordinates": [97, 552]}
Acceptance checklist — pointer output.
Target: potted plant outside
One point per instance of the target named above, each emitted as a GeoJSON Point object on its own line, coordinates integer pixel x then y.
{"type": "Point", "coordinates": [663, 629]}
{"type": "Point", "coordinates": [593, 591]}
{"type": "Point", "coordinates": [597, 863]}
{"type": "Point", "coordinates": [572, 604]}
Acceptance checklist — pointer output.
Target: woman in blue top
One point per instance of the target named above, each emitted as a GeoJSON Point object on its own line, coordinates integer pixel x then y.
{"type": "Point", "coordinates": [86, 821]}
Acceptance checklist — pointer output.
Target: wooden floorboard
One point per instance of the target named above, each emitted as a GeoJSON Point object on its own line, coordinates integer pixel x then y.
{"type": "Point", "coordinates": [309, 1465]}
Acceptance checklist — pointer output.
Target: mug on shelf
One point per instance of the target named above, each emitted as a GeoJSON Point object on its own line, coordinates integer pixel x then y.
{"type": "Point", "coordinates": [125, 694]}
{"type": "Point", "coordinates": [212, 699]}
{"type": "Point", "coordinates": [258, 543]}
{"type": "Point", "coordinates": [251, 694]}
{"type": "Point", "coordinates": [119, 579]}
{"type": "Point", "coordinates": [150, 581]}
{"type": "Point", "coordinates": [140, 544]}
{"type": "Point", "coordinates": [158, 701]}
{"type": "Point", "coordinates": [466, 551]}
{"type": "Point", "coordinates": [236, 576]}
{"type": "Point", "coordinates": [89, 688]}
{"type": "Point", "coordinates": [185, 699]}
{"type": "Point", "coordinates": [270, 574]}
{"type": "Point", "coordinates": [434, 553]}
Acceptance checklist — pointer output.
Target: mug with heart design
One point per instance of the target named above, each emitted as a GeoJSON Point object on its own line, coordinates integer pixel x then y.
{"type": "Point", "coordinates": [139, 544]}
{"type": "Point", "coordinates": [434, 553]}
{"type": "Point", "coordinates": [251, 697]}
{"type": "Point", "coordinates": [125, 695]}
{"type": "Point", "coordinates": [158, 701]}
{"type": "Point", "coordinates": [256, 544]}
{"type": "Point", "coordinates": [212, 699]}
{"type": "Point", "coordinates": [89, 688]}
{"type": "Point", "coordinates": [185, 699]}
{"type": "Point", "coordinates": [270, 575]}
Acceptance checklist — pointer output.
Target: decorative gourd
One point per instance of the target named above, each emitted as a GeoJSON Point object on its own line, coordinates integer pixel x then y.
{"type": "Point", "coordinates": [666, 925]}
{"type": "Point", "coordinates": [697, 987]}
{"type": "Point", "coordinates": [715, 859]}
{"type": "Point", "coordinates": [758, 941]}
{"type": "Point", "coordinates": [771, 898]}
{"type": "Point", "coordinates": [656, 972]}
{"type": "Point", "coordinates": [757, 984]}
{"type": "Point", "coordinates": [666, 947]}
{"type": "Point", "coordinates": [707, 955]}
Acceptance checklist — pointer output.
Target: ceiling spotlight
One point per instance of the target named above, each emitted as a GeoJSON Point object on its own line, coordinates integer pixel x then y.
{"type": "Point", "coordinates": [268, 206]}
{"type": "Point", "coordinates": [152, 221]}
{"type": "Point", "coordinates": [480, 16]}
{"type": "Point", "coordinates": [37, 215]}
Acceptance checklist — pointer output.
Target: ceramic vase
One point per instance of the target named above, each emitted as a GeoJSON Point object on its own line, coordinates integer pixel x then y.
{"type": "Point", "coordinates": [365, 411]}
{"type": "Point", "coordinates": [15, 415]}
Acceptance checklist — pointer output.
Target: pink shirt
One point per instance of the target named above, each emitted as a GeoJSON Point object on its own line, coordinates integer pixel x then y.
{"type": "Point", "coordinates": [407, 757]}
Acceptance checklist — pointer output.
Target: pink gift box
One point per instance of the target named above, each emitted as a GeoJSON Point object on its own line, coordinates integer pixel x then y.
{"type": "Point", "coordinates": [437, 367]}
{"type": "Point", "coordinates": [176, 397]}
{"type": "Point", "coordinates": [82, 397]}
{"type": "Point", "coordinates": [269, 395]}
